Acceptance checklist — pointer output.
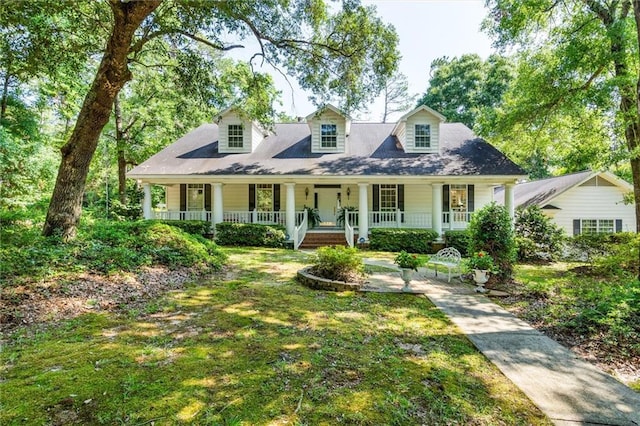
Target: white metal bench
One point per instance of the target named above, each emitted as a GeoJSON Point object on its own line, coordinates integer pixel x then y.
{"type": "Point", "coordinates": [449, 258]}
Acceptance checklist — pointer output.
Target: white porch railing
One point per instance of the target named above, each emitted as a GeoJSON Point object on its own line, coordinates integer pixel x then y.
{"type": "Point", "coordinates": [182, 215]}
{"type": "Point", "coordinates": [348, 230]}
{"type": "Point", "coordinates": [300, 231]}
{"type": "Point", "coordinates": [456, 220]}
{"type": "Point", "coordinates": [399, 219]}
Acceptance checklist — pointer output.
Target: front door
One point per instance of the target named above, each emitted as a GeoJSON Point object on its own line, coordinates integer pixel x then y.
{"type": "Point", "coordinates": [328, 203]}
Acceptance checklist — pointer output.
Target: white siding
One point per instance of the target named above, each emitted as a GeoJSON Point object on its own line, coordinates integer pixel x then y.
{"type": "Point", "coordinates": [173, 197]}
{"type": "Point", "coordinates": [417, 198]}
{"type": "Point", "coordinates": [328, 117]}
{"type": "Point", "coordinates": [235, 197]}
{"type": "Point", "coordinates": [592, 202]}
{"type": "Point", "coordinates": [251, 134]}
{"type": "Point", "coordinates": [422, 117]}
{"type": "Point", "coordinates": [483, 196]}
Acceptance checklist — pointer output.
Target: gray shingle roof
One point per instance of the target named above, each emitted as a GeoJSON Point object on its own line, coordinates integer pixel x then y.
{"type": "Point", "coordinates": [370, 150]}
{"type": "Point", "coordinates": [540, 192]}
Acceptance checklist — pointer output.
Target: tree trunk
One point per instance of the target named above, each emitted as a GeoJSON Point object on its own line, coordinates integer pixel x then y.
{"type": "Point", "coordinates": [121, 141]}
{"type": "Point", "coordinates": [66, 202]}
{"type": "Point", "coordinates": [5, 94]}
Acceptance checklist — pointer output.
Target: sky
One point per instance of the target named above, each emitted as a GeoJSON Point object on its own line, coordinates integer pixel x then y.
{"type": "Point", "coordinates": [427, 29]}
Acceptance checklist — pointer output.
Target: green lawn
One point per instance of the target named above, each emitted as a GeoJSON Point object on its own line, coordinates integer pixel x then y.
{"type": "Point", "coordinates": [252, 346]}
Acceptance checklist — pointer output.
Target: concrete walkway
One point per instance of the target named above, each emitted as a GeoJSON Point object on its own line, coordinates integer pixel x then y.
{"type": "Point", "coordinates": [567, 389]}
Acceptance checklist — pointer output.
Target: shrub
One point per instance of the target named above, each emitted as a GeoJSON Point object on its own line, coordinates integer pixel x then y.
{"type": "Point", "coordinates": [490, 231]}
{"type": "Point", "coordinates": [250, 234]}
{"type": "Point", "coordinates": [338, 263]}
{"type": "Point", "coordinates": [481, 261]}
{"type": "Point", "coordinates": [408, 261]}
{"type": "Point", "coordinates": [195, 227]}
{"type": "Point", "coordinates": [537, 238]}
{"type": "Point", "coordinates": [129, 211]}
{"type": "Point", "coordinates": [398, 239]}
{"type": "Point", "coordinates": [103, 246]}
{"type": "Point", "coordinates": [458, 240]}
{"type": "Point", "coordinates": [619, 254]}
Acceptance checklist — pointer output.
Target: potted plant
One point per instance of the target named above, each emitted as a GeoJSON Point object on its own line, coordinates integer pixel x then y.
{"type": "Point", "coordinates": [482, 265]}
{"type": "Point", "coordinates": [407, 263]}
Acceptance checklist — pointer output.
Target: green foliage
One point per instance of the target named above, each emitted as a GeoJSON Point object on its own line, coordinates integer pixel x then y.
{"type": "Point", "coordinates": [102, 246]}
{"type": "Point", "coordinates": [490, 231]}
{"type": "Point", "coordinates": [611, 254]}
{"type": "Point", "coordinates": [398, 239]}
{"type": "Point", "coordinates": [340, 217]}
{"type": "Point", "coordinates": [537, 237]}
{"type": "Point", "coordinates": [458, 239]}
{"type": "Point", "coordinates": [601, 308]}
{"type": "Point", "coordinates": [195, 227]}
{"type": "Point", "coordinates": [129, 211]}
{"type": "Point", "coordinates": [250, 234]}
{"type": "Point", "coordinates": [338, 263]}
{"type": "Point", "coordinates": [406, 260]}
{"type": "Point", "coordinates": [313, 217]}
{"type": "Point", "coordinates": [461, 88]}
{"type": "Point", "coordinates": [481, 260]}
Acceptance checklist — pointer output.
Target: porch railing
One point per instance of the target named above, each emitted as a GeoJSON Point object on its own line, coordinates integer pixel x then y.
{"type": "Point", "coordinates": [300, 231]}
{"type": "Point", "coordinates": [183, 215]}
{"type": "Point", "coordinates": [235, 216]}
{"type": "Point", "coordinates": [348, 230]}
{"type": "Point", "coordinates": [393, 219]}
{"type": "Point", "coordinates": [456, 220]}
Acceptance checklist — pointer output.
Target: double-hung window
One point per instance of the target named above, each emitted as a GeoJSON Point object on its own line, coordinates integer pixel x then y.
{"type": "Point", "coordinates": [328, 135]}
{"type": "Point", "coordinates": [195, 197]}
{"type": "Point", "coordinates": [388, 198]}
{"type": "Point", "coordinates": [423, 136]}
{"type": "Point", "coordinates": [264, 197]}
{"type": "Point", "coordinates": [235, 136]}
{"type": "Point", "coordinates": [597, 226]}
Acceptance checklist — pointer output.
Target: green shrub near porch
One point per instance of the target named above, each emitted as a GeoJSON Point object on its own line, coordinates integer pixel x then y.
{"type": "Point", "coordinates": [398, 239]}
{"type": "Point", "coordinates": [195, 227]}
{"type": "Point", "coordinates": [458, 239]}
{"type": "Point", "coordinates": [250, 234]}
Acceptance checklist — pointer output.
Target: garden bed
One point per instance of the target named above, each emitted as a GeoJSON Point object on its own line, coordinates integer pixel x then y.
{"type": "Point", "coordinates": [305, 277]}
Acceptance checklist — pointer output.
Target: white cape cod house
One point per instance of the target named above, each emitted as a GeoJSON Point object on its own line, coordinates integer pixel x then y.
{"type": "Point", "coordinates": [417, 173]}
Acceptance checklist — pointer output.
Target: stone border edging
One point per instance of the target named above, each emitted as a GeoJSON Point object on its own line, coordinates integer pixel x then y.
{"type": "Point", "coordinates": [319, 283]}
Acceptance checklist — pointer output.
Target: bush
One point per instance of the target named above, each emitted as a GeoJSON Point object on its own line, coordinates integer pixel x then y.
{"type": "Point", "coordinates": [537, 238]}
{"type": "Point", "coordinates": [458, 240]}
{"type": "Point", "coordinates": [399, 239]}
{"type": "Point", "coordinates": [619, 254]}
{"type": "Point", "coordinates": [195, 227]}
{"type": "Point", "coordinates": [250, 234]}
{"type": "Point", "coordinates": [129, 211]}
{"type": "Point", "coordinates": [338, 263]}
{"type": "Point", "coordinates": [103, 246]}
{"type": "Point", "coordinates": [490, 231]}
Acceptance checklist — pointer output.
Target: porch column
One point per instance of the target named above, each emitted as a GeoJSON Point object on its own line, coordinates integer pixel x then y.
{"type": "Point", "coordinates": [363, 212]}
{"type": "Point", "coordinates": [508, 199]}
{"type": "Point", "coordinates": [146, 205]}
{"type": "Point", "coordinates": [436, 208]}
{"type": "Point", "coordinates": [218, 206]}
{"type": "Point", "coordinates": [290, 217]}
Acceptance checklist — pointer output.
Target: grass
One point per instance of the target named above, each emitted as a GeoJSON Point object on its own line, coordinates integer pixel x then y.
{"type": "Point", "coordinates": [254, 347]}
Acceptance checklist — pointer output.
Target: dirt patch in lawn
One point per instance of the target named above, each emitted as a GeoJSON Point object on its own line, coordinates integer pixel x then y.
{"type": "Point", "coordinates": [54, 300]}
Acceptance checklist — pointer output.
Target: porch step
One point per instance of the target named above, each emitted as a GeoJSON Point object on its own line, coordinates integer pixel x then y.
{"type": "Point", "coordinates": [320, 239]}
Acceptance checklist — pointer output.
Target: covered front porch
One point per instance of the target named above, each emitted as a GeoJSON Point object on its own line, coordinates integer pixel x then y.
{"type": "Point", "coordinates": [354, 208]}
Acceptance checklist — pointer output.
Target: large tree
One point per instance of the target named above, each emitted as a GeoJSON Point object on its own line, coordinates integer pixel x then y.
{"type": "Point", "coordinates": [342, 53]}
{"type": "Point", "coordinates": [461, 88]}
{"type": "Point", "coordinates": [594, 59]}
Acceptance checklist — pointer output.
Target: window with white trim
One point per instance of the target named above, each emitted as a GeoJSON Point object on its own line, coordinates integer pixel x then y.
{"type": "Point", "coordinates": [423, 136]}
{"type": "Point", "coordinates": [328, 135]}
{"type": "Point", "coordinates": [388, 198]}
{"type": "Point", "coordinates": [458, 202]}
{"type": "Point", "coordinates": [235, 136]}
{"type": "Point", "coordinates": [264, 197]}
{"type": "Point", "coordinates": [195, 197]}
{"type": "Point", "coordinates": [597, 226]}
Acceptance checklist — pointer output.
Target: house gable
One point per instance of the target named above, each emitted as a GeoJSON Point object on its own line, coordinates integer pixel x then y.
{"type": "Point", "coordinates": [329, 129]}
{"type": "Point", "coordinates": [419, 130]}
{"type": "Point", "coordinates": [237, 134]}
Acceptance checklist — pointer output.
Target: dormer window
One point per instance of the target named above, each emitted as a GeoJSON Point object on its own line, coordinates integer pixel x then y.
{"type": "Point", "coordinates": [328, 136]}
{"type": "Point", "coordinates": [423, 136]}
{"type": "Point", "coordinates": [235, 136]}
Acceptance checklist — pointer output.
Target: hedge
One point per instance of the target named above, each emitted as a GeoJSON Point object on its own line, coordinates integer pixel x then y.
{"type": "Point", "coordinates": [398, 239]}
{"type": "Point", "coordinates": [458, 240]}
{"type": "Point", "coordinates": [195, 227]}
{"type": "Point", "coordinates": [250, 234]}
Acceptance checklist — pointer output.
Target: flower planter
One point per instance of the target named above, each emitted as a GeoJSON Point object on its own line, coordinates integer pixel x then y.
{"type": "Point", "coordinates": [407, 276]}
{"type": "Point", "coordinates": [480, 276]}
